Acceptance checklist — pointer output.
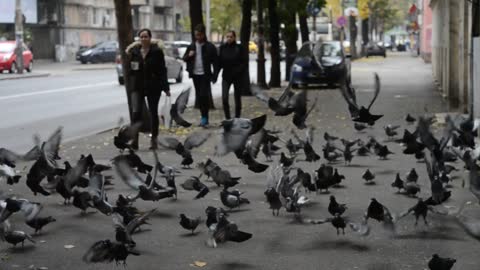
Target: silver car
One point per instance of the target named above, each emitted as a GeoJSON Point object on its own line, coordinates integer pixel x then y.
{"type": "Point", "coordinates": [174, 67]}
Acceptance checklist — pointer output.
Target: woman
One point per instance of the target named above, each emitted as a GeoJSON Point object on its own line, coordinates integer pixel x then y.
{"type": "Point", "coordinates": [149, 74]}
{"type": "Point", "coordinates": [234, 62]}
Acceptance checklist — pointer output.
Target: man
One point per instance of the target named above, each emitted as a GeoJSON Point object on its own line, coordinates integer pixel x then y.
{"type": "Point", "coordinates": [202, 59]}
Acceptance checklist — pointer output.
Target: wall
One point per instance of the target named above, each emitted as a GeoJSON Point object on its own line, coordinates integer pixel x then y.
{"type": "Point", "coordinates": [426, 32]}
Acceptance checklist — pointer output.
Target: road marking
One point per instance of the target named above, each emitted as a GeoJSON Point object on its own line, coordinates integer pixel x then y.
{"type": "Point", "coordinates": [59, 90]}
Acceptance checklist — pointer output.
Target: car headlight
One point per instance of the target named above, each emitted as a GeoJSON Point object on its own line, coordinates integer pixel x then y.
{"type": "Point", "coordinates": [6, 57]}
{"type": "Point", "coordinates": [297, 68]}
{"type": "Point", "coordinates": [87, 52]}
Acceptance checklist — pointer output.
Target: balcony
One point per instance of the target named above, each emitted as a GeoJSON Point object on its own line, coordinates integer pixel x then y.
{"type": "Point", "coordinates": [163, 3]}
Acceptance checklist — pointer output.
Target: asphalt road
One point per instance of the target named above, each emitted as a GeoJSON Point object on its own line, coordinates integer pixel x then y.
{"type": "Point", "coordinates": [84, 102]}
{"type": "Point", "coordinates": [278, 242]}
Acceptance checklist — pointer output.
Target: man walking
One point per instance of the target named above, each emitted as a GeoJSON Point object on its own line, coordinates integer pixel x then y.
{"type": "Point", "coordinates": [202, 60]}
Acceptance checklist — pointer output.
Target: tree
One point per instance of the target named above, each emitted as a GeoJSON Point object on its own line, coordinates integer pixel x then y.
{"type": "Point", "coordinates": [261, 46]}
{"type": "Point", "coordinates": [123, 14]}
{"type": "Point", "coordinates": [275, 73]}
{"type": "Point", "coordinates": [225, 16]}
{"type": "Point", "coordinates": [196, 15]}
{"type": "Point", "coordinates": [245, 31]}
{"type": "Point", "coordinates": [302, 19]}
{"type": "Point", "coordinates": [290, 33]}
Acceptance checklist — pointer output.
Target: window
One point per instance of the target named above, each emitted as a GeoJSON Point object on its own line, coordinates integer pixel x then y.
{"type": "Point", "coordinates": [94, 14]}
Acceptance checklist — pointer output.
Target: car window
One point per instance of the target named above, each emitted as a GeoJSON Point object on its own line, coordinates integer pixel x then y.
{"type": "Point", "coordinates": [7, 47]}
{"type": "Point", "coordinates": [330, 50]}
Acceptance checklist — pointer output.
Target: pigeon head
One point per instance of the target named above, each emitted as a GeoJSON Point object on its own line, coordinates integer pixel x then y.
{"type": "Point", "coordinates": [332, 198]}
{"type": "Point", "coordinates": [182, 216]}
{"type": "Point", "coordinates": [51, 219]}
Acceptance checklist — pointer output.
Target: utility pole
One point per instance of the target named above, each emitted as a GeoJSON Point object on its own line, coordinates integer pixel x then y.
{"type": "Point", "coordinates": [19, 36]}
{"type": "Point", "coordinates": [207, 19]}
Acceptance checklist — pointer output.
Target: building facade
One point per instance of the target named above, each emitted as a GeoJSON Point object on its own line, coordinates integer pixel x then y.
{"type": "Point", "coordinates": [425, 21]}
{"type": "Point", "coordinates": [451, 43]}
{"type": "Point", "coordinates": [65, 25]}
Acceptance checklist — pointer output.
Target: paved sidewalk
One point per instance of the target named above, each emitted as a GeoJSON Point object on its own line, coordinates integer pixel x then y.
{"type": "Point", "coordinates": [278, 242]}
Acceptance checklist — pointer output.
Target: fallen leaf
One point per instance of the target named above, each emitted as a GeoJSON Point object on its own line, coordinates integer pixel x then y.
{"type": "Point", "coordinates": [69, 246]}
{"type": "Point", "coordinates": [199, 263]}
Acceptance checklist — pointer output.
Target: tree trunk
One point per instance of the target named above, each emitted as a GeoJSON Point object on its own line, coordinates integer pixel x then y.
{"type": "Point", "coordinates": [275, 43]}
{"type": "Point", "coordinates": [123, 14]}
{"type": "Point", "coordinates": [261, 47]}
{"type": "Point", "coordinates": [303, 27]}
{"type": "Point", "coordinates": [245, 31]}
{"type": "Point", "coordinates": [476, 19]}
{"type": "Point", "coordinates": [196, 15]}
{"type": "Point", "coordinates": [291, 36]}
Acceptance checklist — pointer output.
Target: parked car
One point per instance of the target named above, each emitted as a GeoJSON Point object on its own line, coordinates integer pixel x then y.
{"type": "Point", "coordinates": [376, 50]}
{"type": "Point", "coordinates": [99, 53]}
{"type": "Point", "coordinates": [174, 66]}
{"type": "Point", "coordinates": [8, 58]}
{"type": "Point", "coordinates": [181, 46]}
{"type": "Point", "coordinates": [320, 63]}
{"type": "Point", "coordinates": [252, 47]}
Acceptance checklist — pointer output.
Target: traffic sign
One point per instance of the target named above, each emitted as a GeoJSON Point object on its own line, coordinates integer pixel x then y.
{"type": "Point", "coordinates": [341, 21]}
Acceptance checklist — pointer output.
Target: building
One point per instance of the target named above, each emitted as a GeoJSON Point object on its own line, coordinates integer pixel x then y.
{"type": "Point", "coordinates": [65, 25]}
{"type": "Point", "coordinates": [425, 21]}
{"type": "Point", "coordinates": [451, 43]}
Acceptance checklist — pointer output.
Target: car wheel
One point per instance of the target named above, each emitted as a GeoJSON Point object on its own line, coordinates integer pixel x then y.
{"type": "Point", "coordinates": [179, 78]}
{"type": "Point", "coordinates": [295, 85]}
{"type": "Point", "coordinates": [384, 55]}
{"type": "Point", "coordinates": [368, 55]}
{"type": "Point", "coordinates": [30, 67]}
{"type": "Point", "coordinates": [121, 80]}
{"type": "Point", "coordinates": [83, 62]}
{"type": "Point", "coordinates": [13, 68]}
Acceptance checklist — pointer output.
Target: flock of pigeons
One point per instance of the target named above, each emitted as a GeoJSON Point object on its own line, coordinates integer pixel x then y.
{"type": "Point", "coordinates": [82, 185]}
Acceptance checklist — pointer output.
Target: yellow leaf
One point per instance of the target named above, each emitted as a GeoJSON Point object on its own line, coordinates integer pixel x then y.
{"type": "Point", "coordinates": [199, 263]}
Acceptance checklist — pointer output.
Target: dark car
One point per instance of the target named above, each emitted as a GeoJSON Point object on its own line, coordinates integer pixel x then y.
{"type": "Point", "coordinates": [99, 53]}
{"type": "Point", "coordinates": [320, 63]}
{"type": "Point", "coordinates": [376, 50]}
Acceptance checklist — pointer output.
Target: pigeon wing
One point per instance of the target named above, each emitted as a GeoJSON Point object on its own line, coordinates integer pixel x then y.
{"type": "Point", "coordinates": [196, 139]}
{"type": "Point", "coordinates": [377, 89]}
{"type": "Point", "coordinates": [128, 175]}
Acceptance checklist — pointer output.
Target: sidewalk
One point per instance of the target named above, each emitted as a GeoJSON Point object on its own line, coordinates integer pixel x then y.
{"type": "Point", "coordinates": [46, 67]}
{"type": "Point", "coordinates": [277, 243]}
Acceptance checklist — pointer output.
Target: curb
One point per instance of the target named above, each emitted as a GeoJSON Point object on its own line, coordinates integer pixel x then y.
{"type": "Point", "coordinates": [92, 68]}
{"type": "Point", "coordinates": [18, 77]}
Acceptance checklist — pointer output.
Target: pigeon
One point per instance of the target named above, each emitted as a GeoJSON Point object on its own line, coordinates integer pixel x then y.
{"type": "Point", "coordinates": [45, 163]}
{"type": "Point", "coordinates": [132, 179]}
{"type": "Point", "coordinates": [10, 158]}
{"type": "Point", "coordinates": [300, 112]}
{"type": "Point", "coordinates": [398, 182]}
{"type": "Point", "coordinates": [391, 131]}
{"type": "Point", "coordinates": [292, 147]}
{"type": "Point", "coordinates": [324, 178]}
{"type": "Point", "coordinates": [359, 126]}
{"type": "Point", "coordinates": [213, 215]}
{"type": "Point", "coordinates": [224, 231]}
{"type": "Point", "coordinates": [361, 114]}
{"type": "Point", "coordinates": [419, 209]}
{"type": "Point", "coordinates": [126, 135]}
{"type": "Point", "coordinates": [382, 151]}
{"type": "Point", "coordinates": [368, 176]}
{"type": "Point", "coordinates": [232, 199]}
{"type": "Point", "coordinates": [412, 176]}
{"type": "Point", "coordinates": [285, 161]}
{"type": "Point", "coordinates": [179, 107]}
{"type": "Point", "coordinates": [9, 206]}
{"type": "Point", "coordinates": [379, 212]}
{"type": "Point", "coordinates": [334, 208]}
{"type": "Point", "coordinates": [134, 161]}
{"type": "Point", "coordinates": [287, 102]}
{"type": "Point", "coordinates": [223, 177]}
{"type": "Point", "coordinates": [273, 199]}
{"type": "Point", "coordinates": [340, 223]}
{"type": "Point", "coordinates": [439, 263]}
{"type": "Point", "coordinates": [13, 237]}
{"type": "Point", "coordinates": [329, 138]}
{"type": "Point", "coordinates": [38, 223]}
{"type": "Point", "coordinates": [435, 146]}
{"type": "Point", "coordinates": [252, 165]}
{"type": "Point", "coordinates": [194, 140]}
{"type": "Point", "coordinates": [410, 119]}
{"type": "Point", "coordinates": [310, 154]}
{"type": "Point", "coordinates": [235, 133]}
{"type": "Point", "coordinates": [337, 177]}
{"type": "Point", "coordinates": [108, 251]}
{"type": "Point", "coordinates": [347, 152]}
{"type": "Point", "coordinates": [194, 183]}
{"type": "Point", "coordinates": [9, 173]}
{"type": "Point", "coordinates": [437, 188]}
{"type": "Point", "coordinates": [189, 223]}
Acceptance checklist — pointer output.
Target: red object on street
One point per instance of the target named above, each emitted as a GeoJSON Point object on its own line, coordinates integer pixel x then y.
{"type": "Point", "coordinates": [8, 57]}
